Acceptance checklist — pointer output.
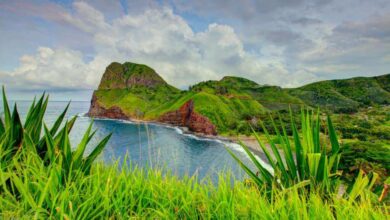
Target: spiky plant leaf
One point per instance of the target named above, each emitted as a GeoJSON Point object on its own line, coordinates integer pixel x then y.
{"type": "Point", "coordinates": [7, 112]}
{"type": "Point", "coordinates": [41, 145]}
{"type": "Point", "coordinates": [16, 129]}
{"type": "Point", "coordinates": [95, 153]}
{"type": "Point", "coordinates": [275, 151]}
{"type": "Point", "coordinates": [50, 145]}
{"type": "Point", "coordinates": [264, 149]}
{"type": "Point", "coordinates": [333, 137]}
{"type": "Point", "coordinates": [2, 128]}
{"type": "Point", "coordinates": [287, 149]}
{"type": "Point", "coordinates": [78, 154]}
{"type": "Point", "coordinates": [267, 176]}
{"type": "Point", "coordinates": [253, 176]}
{"type": "Point", "coordinates": [313, 160]}
{"type": "Point", "coordinates": [298, 150]}
{"type": "Point", "coordinates": [65, 148]}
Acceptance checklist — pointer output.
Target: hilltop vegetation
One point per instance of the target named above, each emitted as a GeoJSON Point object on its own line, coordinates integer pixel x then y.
{"type": "Point", "coordinates": [346, 95]}
{"type": "Point", "coordinates": [230, 103]}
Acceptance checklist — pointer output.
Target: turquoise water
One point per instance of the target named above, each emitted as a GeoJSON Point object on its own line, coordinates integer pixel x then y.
{"type": "Point", "coordinates": [150, 145]}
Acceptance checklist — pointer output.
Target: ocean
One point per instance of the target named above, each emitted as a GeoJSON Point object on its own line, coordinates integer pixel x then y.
{"type": "Point", "coordinates": [149, 145]}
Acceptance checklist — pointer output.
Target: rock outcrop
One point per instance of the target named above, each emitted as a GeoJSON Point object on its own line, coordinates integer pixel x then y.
{"type": "Point", "coordinates": [185, 116]}
{"type": "Point", "coordinates": [99, 111]}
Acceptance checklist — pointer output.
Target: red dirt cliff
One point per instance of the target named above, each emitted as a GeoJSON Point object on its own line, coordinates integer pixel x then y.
{"type": "Point", "coordinates": [187, 117]}
{"type": "Point", "coordinates": [98, 111]}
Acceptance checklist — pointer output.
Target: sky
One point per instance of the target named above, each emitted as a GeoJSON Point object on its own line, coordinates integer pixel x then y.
{"type": "Point", "coordinates": [65, 45]}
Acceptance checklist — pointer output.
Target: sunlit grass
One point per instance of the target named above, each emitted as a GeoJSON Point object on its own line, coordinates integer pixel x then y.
{"type": "Point", "coordinates": [134, 192]}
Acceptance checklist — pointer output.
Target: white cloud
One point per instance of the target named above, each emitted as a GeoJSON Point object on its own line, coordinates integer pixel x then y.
{"type": "Point", "coordinates": [48, 68]}
{"type": "Point", "coordinates": [281, 43]}
{"type": "Point", "coordinates": [86, 17]}
{"type": "Point", "coordinates": [158, 38]}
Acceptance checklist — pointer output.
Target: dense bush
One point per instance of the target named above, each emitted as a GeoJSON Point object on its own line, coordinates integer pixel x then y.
{"type": "Point", "coordinates": [367, 156]}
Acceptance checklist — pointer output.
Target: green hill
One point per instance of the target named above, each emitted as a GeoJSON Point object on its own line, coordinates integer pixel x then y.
{"type": "Point", "coordinates": [274, 97]}
{"type": "Point", "coordinates": [136, 91]}
{"type": "Point", "coordinates": [141, 93]}
{"type": "Point", "coordinates": [127, 75]}
{"type": "Point", "coordinates": [345, 95]}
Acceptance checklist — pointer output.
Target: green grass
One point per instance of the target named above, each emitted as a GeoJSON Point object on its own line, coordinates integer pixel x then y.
{"type": "Point", "coordinates": [110, 193]}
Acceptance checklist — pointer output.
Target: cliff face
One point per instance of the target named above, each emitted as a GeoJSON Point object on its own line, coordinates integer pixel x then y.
{"type": "Point", "coordinates": [96, 110]}
{"type": "Point", "coordinates": [137, 89]}
{"type": "Point", "coordinates": [185, 116]}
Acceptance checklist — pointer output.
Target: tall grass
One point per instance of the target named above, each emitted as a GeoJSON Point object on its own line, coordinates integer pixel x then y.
{"type": "Point", "coordinates": [41, 177]}
{"type": "Point", "coordinates": [108, 192]}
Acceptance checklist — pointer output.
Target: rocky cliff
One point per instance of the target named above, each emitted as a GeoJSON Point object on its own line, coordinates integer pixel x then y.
{"type": "Point", "coordinates": [129, 91]}
{"type": "Point", "coordinates": [96, 110]}
{"type": "Point", "coordinates": [185, 116]}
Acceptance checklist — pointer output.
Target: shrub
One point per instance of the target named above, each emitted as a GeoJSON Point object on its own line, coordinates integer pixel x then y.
{"type": "Point", "coordinates": [53, 146]}
{"type": "Point", "coordinates": [370, 157]}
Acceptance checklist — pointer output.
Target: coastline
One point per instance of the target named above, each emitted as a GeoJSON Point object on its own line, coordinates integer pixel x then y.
{"type": "Point", "coordinates": [250, 142]}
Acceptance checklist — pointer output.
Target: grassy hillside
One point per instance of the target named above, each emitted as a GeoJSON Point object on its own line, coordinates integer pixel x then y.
{"type": "Point", "coordinates": [345, 95]}
{"type": "Point", "coordinates": [138, 101]}
{"type": "Point", "coordinates": [274, 97]}
{"type": "Point", "coordinates": [384, 81]}
{"type": "Point", "coordinates": [230, 103]}
{"type": "Point", "coordinates": [224, 102]}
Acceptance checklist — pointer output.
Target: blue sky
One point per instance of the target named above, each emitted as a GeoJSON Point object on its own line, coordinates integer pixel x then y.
{"type": "Point", "coordinates": [66, 45]}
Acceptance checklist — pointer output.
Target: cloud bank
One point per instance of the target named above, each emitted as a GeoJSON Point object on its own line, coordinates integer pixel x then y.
{"type": "Point", "coordinates": [298, 50]}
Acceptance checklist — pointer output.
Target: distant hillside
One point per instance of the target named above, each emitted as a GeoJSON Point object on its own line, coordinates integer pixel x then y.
{"type": "Point", "coordinates": [136, 91]}
{"type": "Point", "coordinates": [345, 95]}
{"type": "Point", "coordinates": [384, 81]}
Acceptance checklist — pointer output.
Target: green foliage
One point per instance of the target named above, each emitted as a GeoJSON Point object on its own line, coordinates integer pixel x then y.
{"type": "Point", "coordinates": [312, 164]}
{"type": "Point", "coordinates": [128, 75]}
{"type": "Point", "coordinates": [370, 124]}
{"type": "Point", "coordinates": [345, 95]}
{"type": "Point", "coordinates": [367, 156]}
{"type": "Point", "coordinates": [52, 147]}
{"type": "Point", "coordinates": [275, 98]}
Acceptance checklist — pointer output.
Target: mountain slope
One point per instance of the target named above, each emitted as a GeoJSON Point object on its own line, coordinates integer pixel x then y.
{"type": "Point", "coordinates": [127, 75]}
{"type": "Point", "coordinates": [136, 91]}
{"type": "Point", "coordinates": [345, 95]}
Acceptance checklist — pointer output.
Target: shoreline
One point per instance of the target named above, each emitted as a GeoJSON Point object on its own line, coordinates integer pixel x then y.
{"type": "Point", "coordinates": [250, 142]}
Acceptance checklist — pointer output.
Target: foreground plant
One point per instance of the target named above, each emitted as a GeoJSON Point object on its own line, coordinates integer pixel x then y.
{"type": "Point", "coordinates": [308, 162]}
{"type": "Point", "coordinates": [52, 146]}
{"type": "Point", "coordinates": [110, 192]}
